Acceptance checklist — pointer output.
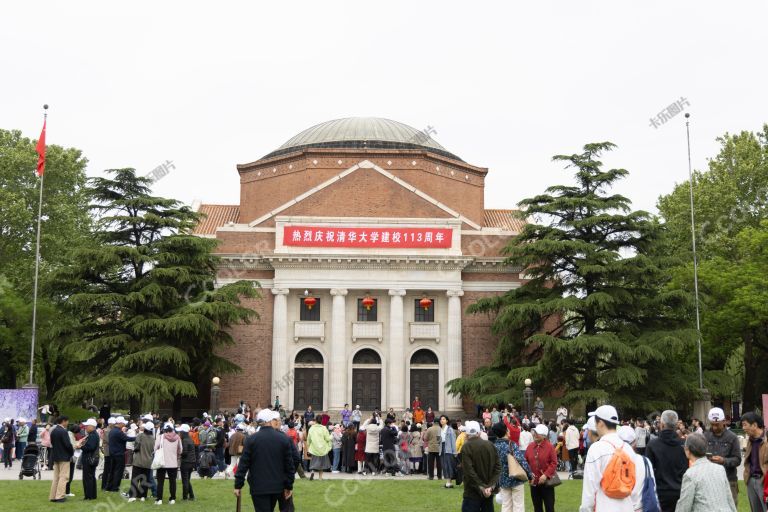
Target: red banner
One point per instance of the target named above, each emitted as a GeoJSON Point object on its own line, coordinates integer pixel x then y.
{"type": "Point", "coordinates": [371, 237]}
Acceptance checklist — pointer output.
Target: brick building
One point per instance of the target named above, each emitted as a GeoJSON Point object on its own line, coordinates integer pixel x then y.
{"type": "Point", "coordinates": [369, 240]}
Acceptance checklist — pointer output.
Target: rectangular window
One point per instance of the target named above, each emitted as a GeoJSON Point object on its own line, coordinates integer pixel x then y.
{"type": "Point", "coordinates": [364, 314]}
{"type": "Point", "coordinates": [424, 315]}
{"type": "Point", "coordinates": [309, 315]}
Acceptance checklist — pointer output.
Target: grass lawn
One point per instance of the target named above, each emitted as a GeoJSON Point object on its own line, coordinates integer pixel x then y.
{"type": "Point", "coordinates": [216, 495]}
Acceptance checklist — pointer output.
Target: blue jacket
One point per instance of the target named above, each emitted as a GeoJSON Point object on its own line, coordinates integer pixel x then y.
{"type": "Point", "coordinates": [503, 448]}
{"type": "Point", "coordinates": [449, 439]}
{"type": "Point", "coordinates": [117, 441]}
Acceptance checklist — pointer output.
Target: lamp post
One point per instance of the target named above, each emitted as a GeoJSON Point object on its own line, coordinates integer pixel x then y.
{"type": "Point", "coordinates": [215, 391]}
{"type": "Point", "coordinates": [528, 397]}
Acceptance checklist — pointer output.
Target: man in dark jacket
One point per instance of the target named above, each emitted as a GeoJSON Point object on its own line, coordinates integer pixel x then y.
{"type": "Point", "coordinates": [187, 463]}
{"type": "Point", "coordinates": [667, 455]}
{"type": "Point", "coordinates": [90, 446]}
{"type": "Point", "coordinates": [117, 441]}
{"type": "Point", "coordinates": [268, 462]}
{"type": "Point", "coordinates": [388, 438]}
{"type": "Point", "coordinates": [62, 452]}
{"type": "Point", "coordinates": [725, 449]}
{"type": "Point", "coordinates": [482, 469]}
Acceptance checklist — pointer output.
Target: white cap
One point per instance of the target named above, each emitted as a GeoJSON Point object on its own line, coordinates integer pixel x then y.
{"type": "Point", "coordinates": [147, 417]}
{"type": "Point", "coordinates": [627, 434]}
{"type": "Point", "coordinates": [183, 428]}
{"type": "Point", "coordinates": [111, 421]}
{"type": "Point", "coordinates": [716, 414]}
{"type": "Point", "coordinates": [606, 413]}
{"type": "Point", "coordinates": [240, 426]}
{"type": "Point", "coordinates": [148, 426]}
{"type": "Point", "coordinates": [542, 430]}
{"type": "Point", "coordinates": [119, 419]}
{"type": "Point", "coordinates": [264, 415]}
{"type": "Point", "coordinates": [473, 428]}
{"type": "Point", "coordinates": [21, 420]}
{"type": "Point", "coordinates": [590, 424]}
{"type": "Point", "coordinates": [168, 424]}
{"type": "Point", "coordinates": [462, 428]}
{"type": "Point", "coordinates": [90, 422]}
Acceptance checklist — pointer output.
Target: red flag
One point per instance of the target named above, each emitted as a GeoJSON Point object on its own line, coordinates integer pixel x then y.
{"type": "Point", "coordinates": [41, 152]}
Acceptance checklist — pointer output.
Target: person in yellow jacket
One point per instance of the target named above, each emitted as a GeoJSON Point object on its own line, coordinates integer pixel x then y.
{"type": "Point", "coordinates": [318, 446]}
{"type": "Point", "coordinates": [460, 439]}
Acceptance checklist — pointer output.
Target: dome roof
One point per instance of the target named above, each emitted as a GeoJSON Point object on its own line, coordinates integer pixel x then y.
{"type": "Point", "coordinates": [362, 133]}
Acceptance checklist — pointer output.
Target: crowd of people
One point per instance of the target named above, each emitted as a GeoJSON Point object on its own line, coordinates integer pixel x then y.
{"type": "Point", "coordinates": [666, 463]}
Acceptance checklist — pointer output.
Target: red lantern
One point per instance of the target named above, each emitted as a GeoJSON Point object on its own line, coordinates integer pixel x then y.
{"type": "Point", "coordinates": [425, 303]}
{"type": "Point", "coordinates": [310, 301]}
{"type": "Point", "coordinates": [368, 302]}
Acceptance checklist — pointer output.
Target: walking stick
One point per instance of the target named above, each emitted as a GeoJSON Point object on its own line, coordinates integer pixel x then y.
{"type": "Point", "coordinates": [238, 502]}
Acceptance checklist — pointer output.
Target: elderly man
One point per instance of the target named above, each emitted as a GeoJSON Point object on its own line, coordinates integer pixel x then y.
{"type": "Point", "coordinates": [755, 459]}
{"type": "Point", "coordinates": [705, 485]}
{"type": "Point", "coordinates": [117, 445]}
{"type": "Point", "coordinates": [482, 470]}
{"type": "Point", "coordinates": [62, 452]}
{"type": "Point", "coordinates": [267, 461]}
{"type": "Point", "coordinates": [724, 447]}
{"type": "Point", "coordinates": [593, 498]}
{"type": "Point", "coordinates": [667, 455]}
{"type": "Point", "coordinates": [90, 447]}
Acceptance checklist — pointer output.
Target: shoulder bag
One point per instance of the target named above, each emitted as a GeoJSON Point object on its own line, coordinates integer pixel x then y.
{"type": "Point", "coordinates": [158, 461]}
{"type": "Point", "coordinates": [553, 481]}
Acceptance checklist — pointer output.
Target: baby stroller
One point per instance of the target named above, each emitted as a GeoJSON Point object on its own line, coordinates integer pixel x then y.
{"type": "Point", "coordinates": [30, 462]}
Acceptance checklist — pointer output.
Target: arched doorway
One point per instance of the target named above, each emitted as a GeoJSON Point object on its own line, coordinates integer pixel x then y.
{"type": "Point", "coordinates": [366, 379]}
{"type": "Point", "coordinates": [425, 380]}
{"type": "Point", "coordinates": [308, 380]}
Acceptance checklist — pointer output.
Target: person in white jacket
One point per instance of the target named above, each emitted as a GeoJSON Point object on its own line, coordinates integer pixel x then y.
{"type": "Point", "coordinates": [372, 427]}
{"type": "Point", "coordinates": [572, 444]}
{"type": "Point", "coordinates": [629, 436]}
{"type": "Point", "coordinates": [593, 499]}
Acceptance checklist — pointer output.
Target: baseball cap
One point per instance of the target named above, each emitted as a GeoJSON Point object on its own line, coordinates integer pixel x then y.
{"type": "Point", "coordinates": [22, 420]}
{"type": "Point", "coordinates": [473, 428]}
{"type": "Point", "coordinates": [264, 415]}
{"type": "Point", "coordinates": [111, 421]}
{"type": "Point", "coordinates": [542, 430]}
{"type": "Point", "coordinates": [606, 413]}
{"type": "Point", "coordinates": [716, 414]}
{"type": "Point", "coordinates": [147, 417]}
{"type": "Point", "coordinates": [90, 422]}
{"type": "Point", "coordinates": [183, 427]}
{"type": "Point", "coordinates": [627, 434]}
{"type": "Point", "coordinates": [148, 426]}
{"type": "Point", "coordinates": [119, 419]}
{"type": "Point", "coordinates": [590, 424]}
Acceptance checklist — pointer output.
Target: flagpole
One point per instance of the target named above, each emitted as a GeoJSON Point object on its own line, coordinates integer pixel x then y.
{"type": "Point", "coordinates": [37, 272]}
{"type": "Point", "coordinates": [695, 257]}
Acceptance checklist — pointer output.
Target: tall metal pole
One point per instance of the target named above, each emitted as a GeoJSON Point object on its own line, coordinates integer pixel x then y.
{"type": "Point", "coordinates": [37, 273]}
{"type": "Point", "coordinates": [695, 258]}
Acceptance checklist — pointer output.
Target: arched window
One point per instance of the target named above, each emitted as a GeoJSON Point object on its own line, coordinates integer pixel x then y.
{"type": "Point", "coordinates": [366, 356]}
{"type": "Point", "coordinates": [309, 356]}
{"type": "Point", "coordinates": [424, 356]}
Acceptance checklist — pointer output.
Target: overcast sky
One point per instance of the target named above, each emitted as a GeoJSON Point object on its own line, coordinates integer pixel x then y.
{"type": "Point", "coordinates": [505, 85]}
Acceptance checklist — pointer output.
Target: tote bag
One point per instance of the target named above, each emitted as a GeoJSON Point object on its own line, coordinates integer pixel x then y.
{"type": "Point", "coordinates": [158, 461]}
{"type": "Point", "coordinates": [516, 471]}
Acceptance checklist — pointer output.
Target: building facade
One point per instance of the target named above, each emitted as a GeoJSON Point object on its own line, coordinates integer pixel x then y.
{"type": "Point", "coordinates": [369, 241]}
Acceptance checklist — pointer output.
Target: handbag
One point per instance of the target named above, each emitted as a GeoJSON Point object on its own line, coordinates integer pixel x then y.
{"type": "Point", "coordinates": [516, 471]}
{"type": "Point", "coordinates": [553, 481]}
{"type": "Point", "coordinates": [158, 461]}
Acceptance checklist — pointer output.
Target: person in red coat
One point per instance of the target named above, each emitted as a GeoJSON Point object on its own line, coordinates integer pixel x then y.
{"type": "Point", "coordinates": [360, 451]}
{"type": "Point", "coordinates": [542, 460]}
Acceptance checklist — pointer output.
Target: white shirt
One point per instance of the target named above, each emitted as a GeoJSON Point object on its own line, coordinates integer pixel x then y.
{"type": "Point", "coordinates": [571, 438]}
{"type": "Point", "coordinates": [526, 438]}
{"type": "Point", "coordinates": [593, 499]}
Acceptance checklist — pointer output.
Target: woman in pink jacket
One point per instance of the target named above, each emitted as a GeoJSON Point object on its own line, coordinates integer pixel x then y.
{"type": "Point", "coordinates": [170, 443]}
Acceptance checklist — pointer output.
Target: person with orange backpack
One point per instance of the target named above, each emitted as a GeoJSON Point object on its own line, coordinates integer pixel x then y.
{"type": "Point", "coordinates": [609, 470]}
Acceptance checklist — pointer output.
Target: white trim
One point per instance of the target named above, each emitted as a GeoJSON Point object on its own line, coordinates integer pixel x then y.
{"type": "Point", "coordinates": [245, 228]}
{"type": "Point", "coordinates": [489, 286]}
{"type": "Point", "coordinates": [365, 164]}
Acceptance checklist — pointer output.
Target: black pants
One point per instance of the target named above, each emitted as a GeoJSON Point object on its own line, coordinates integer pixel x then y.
{"type": "Point", "coordinates": [118, 468]}
{"type": "Point", "coordinates": [264, 502]}
{"type": "Point", "coordinates": [161, 473]}
{"type": "Point", "coordinates": [139, 482]}
{"type": "Point", "coordinates": [89, 481]}
{"type": "Point", "coordinates": [431, 459]}
{"type": "Point", "coordinates": [106, 474]}
{"type": "Point", "coordinates": [7, 461]}
{"type": "Point", "coordinates": [477, 504]}
{"type": "Point", "coordinates": [668, 504]}
{"type": "Point", "coordinates": [543, 497]}
{"type": "Point", "coordinates": [372, 462]}
{"type": "Point", "coordinates": [573, 455]}
{"type": "Point", "coordinates": [71, 475]}
{"type": "Point", "coordinates": [186, 480]}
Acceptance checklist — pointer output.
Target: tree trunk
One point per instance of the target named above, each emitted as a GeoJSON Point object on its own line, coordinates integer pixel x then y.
{"type": "Point", "coordinates": [134, 404]}
{"type": "Point", "coordinates": [176, 408]}
{"type": "Point", "coordinates": [749, 393]}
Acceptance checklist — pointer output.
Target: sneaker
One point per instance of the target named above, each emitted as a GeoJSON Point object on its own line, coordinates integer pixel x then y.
{"type": "Point", "coordinates": [143, 499]}
{"type": "Point", "coordinates": [70, 495]}
{"type": "Point", "coordinates": [158, 502]}
{"type": "Point", "coordinates": [172, 502]}
{"type": "Point", "coordinates": [131, 500]}
{"type": "Point", "coordinates": [448, 485]}
{"type": "Point", "coordinates": [337, 471]}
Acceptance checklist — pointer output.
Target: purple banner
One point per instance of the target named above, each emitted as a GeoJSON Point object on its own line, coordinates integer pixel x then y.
{"type": "Point", "coordinates": [18, 403]}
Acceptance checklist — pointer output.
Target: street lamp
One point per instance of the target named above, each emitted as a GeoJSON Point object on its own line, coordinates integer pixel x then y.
{"type": "Point", "coordinates": [528, 397]}
{"type": "Point", "coordinates": [215, 390]}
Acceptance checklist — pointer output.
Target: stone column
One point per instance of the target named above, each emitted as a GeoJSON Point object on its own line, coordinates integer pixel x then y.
{"type": "Point", "coordinates": [338, 363]}
{"type": "Point", "coordinates": [396, 358]}
{"type": "Point", "coordinates": [453, 364]}
{"type": "Point", "coordinates": [281, 379]}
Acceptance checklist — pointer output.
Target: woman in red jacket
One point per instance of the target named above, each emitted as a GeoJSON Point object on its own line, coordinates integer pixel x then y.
{"type": "Point", "coordinates": [360, 452]}
{"type": "Point", "coordinates": [542, 460]}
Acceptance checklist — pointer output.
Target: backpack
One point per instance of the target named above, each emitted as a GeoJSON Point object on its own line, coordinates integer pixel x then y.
{"type": "Point", "coordinates": [207, 460]}
{"type": "Point", "coordinates": [195, 435]}
{"type": "Point", "coordinates": [648, 497]}
{"type": "Point", "coordinates": [210, 437]}
{"type": "Point", "coordinates": [619, 476]}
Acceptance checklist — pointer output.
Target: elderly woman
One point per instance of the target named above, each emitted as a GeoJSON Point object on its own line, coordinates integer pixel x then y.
{"type": "Point", "coordinates": [318, 446]}
{"type": "Point", "coordinates": [705, 485]}
{"type": "Point", "coordinates": [512, 491]}
{"type": "Point", "coordinates": [143, 453]}
{"type": "Point", "coordinates": [542, 461]}
{"type": "Point", "coordinates": [90, 449]}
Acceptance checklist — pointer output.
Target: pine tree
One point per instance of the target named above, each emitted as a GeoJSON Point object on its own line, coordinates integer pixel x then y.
{"type": "Point", "coordinates": [596, 320]}
{"type": "Point", "coordinates": [143, 291]}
